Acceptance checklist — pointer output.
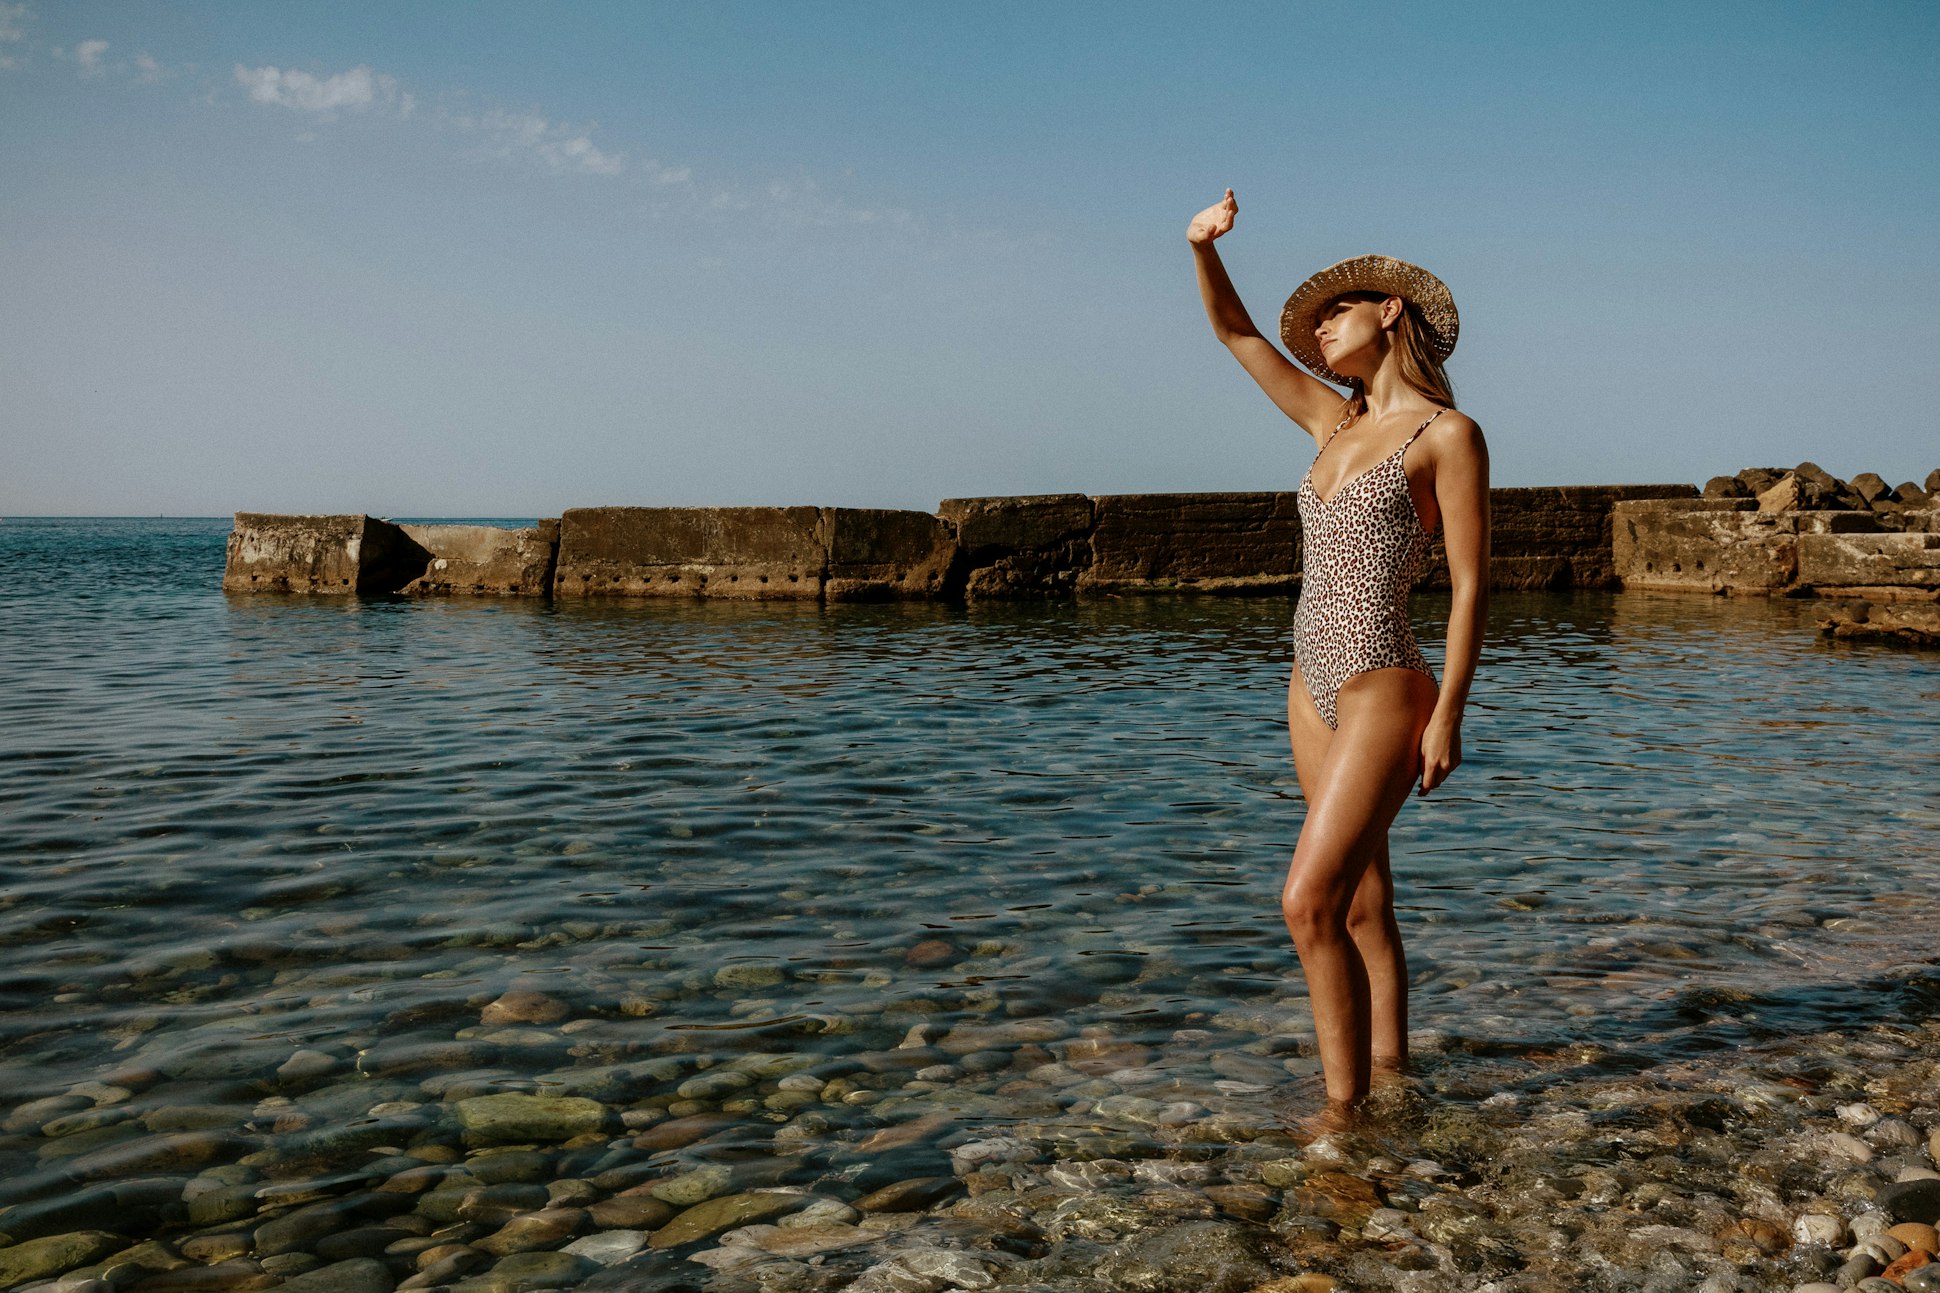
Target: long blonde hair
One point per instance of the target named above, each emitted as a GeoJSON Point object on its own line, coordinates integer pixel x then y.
{"type": "Point", "coordinates": [1419, 367]}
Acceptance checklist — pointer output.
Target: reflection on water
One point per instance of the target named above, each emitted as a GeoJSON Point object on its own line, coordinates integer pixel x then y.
{"type": "Point", "coordinates": [257, 823]}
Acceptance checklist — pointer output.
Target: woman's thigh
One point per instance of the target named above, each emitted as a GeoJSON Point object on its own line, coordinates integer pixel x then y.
{"type": "Point", "coordinates": [1310, 735]}
{"type": "Point", "coordinates": [1366, 771]}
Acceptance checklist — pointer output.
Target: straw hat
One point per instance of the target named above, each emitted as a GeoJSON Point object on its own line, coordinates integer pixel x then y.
{"type": "Point", "coordinates": [1383, 274]}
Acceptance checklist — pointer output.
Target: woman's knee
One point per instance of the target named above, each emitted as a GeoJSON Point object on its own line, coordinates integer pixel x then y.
{"type": "Point", "coordinates": [1312, 913]}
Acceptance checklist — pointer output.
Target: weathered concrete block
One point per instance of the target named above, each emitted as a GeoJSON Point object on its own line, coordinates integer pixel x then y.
{"type": "Point", "coordinates": [1033, 545]}
{"type": "Point", "coordinates": [1551, 536]}
{"type": "Point", "coordinates": [1704, 545]}
{"type": "Point", "coordinates": [484, 559]}
{"type": "Point", "coordinates": [332, 555]}
{"type": "Point", "coordinates": [1839, 523]}
{"type": "Point", "coordinates": [1055, 545]}
{"type": "Point", "coordinates": [1920, 520]}
{"type": "Point", "coordinates": [879, 553]}
{"type": "Point", "coordinates": [1017, 523]}
{"type": "Point", "coordinates": [1194, 543]}
{"type": "Point", "coordinates": [1869, 565]}
{"type": "Point", "coordinates": [749, 553]}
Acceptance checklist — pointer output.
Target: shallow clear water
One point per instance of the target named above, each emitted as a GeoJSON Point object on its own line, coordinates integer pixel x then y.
{"type": "Point", "coordinates": [247, 825]}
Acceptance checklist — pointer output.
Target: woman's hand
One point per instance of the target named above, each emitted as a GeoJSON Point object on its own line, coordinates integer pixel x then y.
{"type": "Point", "coordinates": [1214, 220]}
{"type": "Point", "coordinates": [1441, 751]}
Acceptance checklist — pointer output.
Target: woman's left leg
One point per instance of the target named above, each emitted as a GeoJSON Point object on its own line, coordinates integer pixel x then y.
{"type": "Point", "coordinates": [1376, 935]}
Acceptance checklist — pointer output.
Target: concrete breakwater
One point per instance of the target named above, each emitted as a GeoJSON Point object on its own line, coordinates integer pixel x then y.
{"type": "Point", "coordinates": [1778, 532]}
{"type": "Point", "coordinates": [1041, 546]}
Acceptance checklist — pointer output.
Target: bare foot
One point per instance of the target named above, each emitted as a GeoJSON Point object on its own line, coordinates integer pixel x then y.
{"type": "Point", "coordinates": [1335, 1118]}
{"type": "Point", "coordinates": [1395, 1100]}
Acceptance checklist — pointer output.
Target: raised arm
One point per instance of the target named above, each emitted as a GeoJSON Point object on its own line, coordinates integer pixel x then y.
{"type": "Point", "coordinates": [1307, 400]}
{"type": "Point", "coordinates": [1462, 495]}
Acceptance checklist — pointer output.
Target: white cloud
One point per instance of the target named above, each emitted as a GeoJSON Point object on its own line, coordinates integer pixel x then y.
{"type": "Point", "coordinates": [147, 70]}
{"type": "Point", "coordinates": [88, 54]}
{"type": "Point", "coordinates": [799, 201]}
{"type": "Point", "coordinates": [357, 89]}
{"type": "Point", "coordinates": [13, 30]}
{"type": "Point", "coordinates": [529, 136]}
{"type": "Point", "coordinates": [560, 147]}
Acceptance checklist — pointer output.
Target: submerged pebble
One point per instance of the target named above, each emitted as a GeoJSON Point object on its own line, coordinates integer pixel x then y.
{"type": "Point", "coordinates": [1444, 1181]}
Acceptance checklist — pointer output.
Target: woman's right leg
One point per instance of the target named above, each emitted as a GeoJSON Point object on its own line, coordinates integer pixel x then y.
{"type": "Point", "coordinates": [1364, 777]}
{"type": "Point", "coordinates": [1337, 988]}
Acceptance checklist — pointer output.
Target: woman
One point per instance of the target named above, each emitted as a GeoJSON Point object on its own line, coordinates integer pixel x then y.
{"type": "Point", "coordinates": [1366, 717]}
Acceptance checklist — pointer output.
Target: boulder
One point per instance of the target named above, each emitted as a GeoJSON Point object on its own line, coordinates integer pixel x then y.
{"type": "Point", "coordinates": [1793, 493]}
{"type": "Point", "coordinates": [1813, 474]}
{"type": "Point", "coordinates": [1726, 487]}
{"type": "Point", "coordinates": [333, 555]}
{"type": "Point", "coordinates": [1870, 486]}
{"type": "Point", "coordinates": [743, 553]}
{"type": "Point", "coordinates": [485, 559]}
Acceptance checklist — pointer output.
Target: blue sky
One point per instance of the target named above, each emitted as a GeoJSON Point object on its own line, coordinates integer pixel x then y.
{"type": "Point", "coordinates": [502, 259]}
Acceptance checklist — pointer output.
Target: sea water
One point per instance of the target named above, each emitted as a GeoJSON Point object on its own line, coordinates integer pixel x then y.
{"type": "Point", "coordinates": [235, 828]}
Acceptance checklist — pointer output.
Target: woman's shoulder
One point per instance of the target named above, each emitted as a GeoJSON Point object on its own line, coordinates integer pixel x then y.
{"type": "Point", "coordinates": [1456, 438]}
{"type": "Point", "coordinates": [1453, 427]}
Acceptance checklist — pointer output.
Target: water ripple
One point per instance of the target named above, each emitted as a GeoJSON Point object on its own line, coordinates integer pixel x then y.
{"type": "Point", "coordinates": [283, 819]}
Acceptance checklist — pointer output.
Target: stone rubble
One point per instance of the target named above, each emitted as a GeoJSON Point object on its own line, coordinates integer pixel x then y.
{"type": "Point", "coordinates": [1800, 532]}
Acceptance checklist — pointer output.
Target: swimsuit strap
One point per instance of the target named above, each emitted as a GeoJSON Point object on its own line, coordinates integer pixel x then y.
{"type": "Point", "coordinates": [1344, 421]}
{"type": "Point", "coordinates": [1342, 425]}
{"type": "Point", "coordinates": [1339, 427]}
{"type": "Point", "coordinates": [1423, 427]}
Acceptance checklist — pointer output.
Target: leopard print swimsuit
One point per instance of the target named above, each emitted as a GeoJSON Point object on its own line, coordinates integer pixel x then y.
{"type": "Point", "coordinates": [1364, 550]}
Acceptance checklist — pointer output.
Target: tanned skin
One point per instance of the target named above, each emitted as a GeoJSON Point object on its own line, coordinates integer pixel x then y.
{"type": "Point", "coordinates": [1397, 730]}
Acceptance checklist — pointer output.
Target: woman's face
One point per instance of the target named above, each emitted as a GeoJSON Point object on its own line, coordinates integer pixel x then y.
{"type": "Point", "coordinates": [1348, 330]}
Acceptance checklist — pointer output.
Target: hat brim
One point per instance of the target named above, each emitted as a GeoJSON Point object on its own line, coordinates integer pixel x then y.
{"type": "Point", "coordinates": [1383, 274]}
